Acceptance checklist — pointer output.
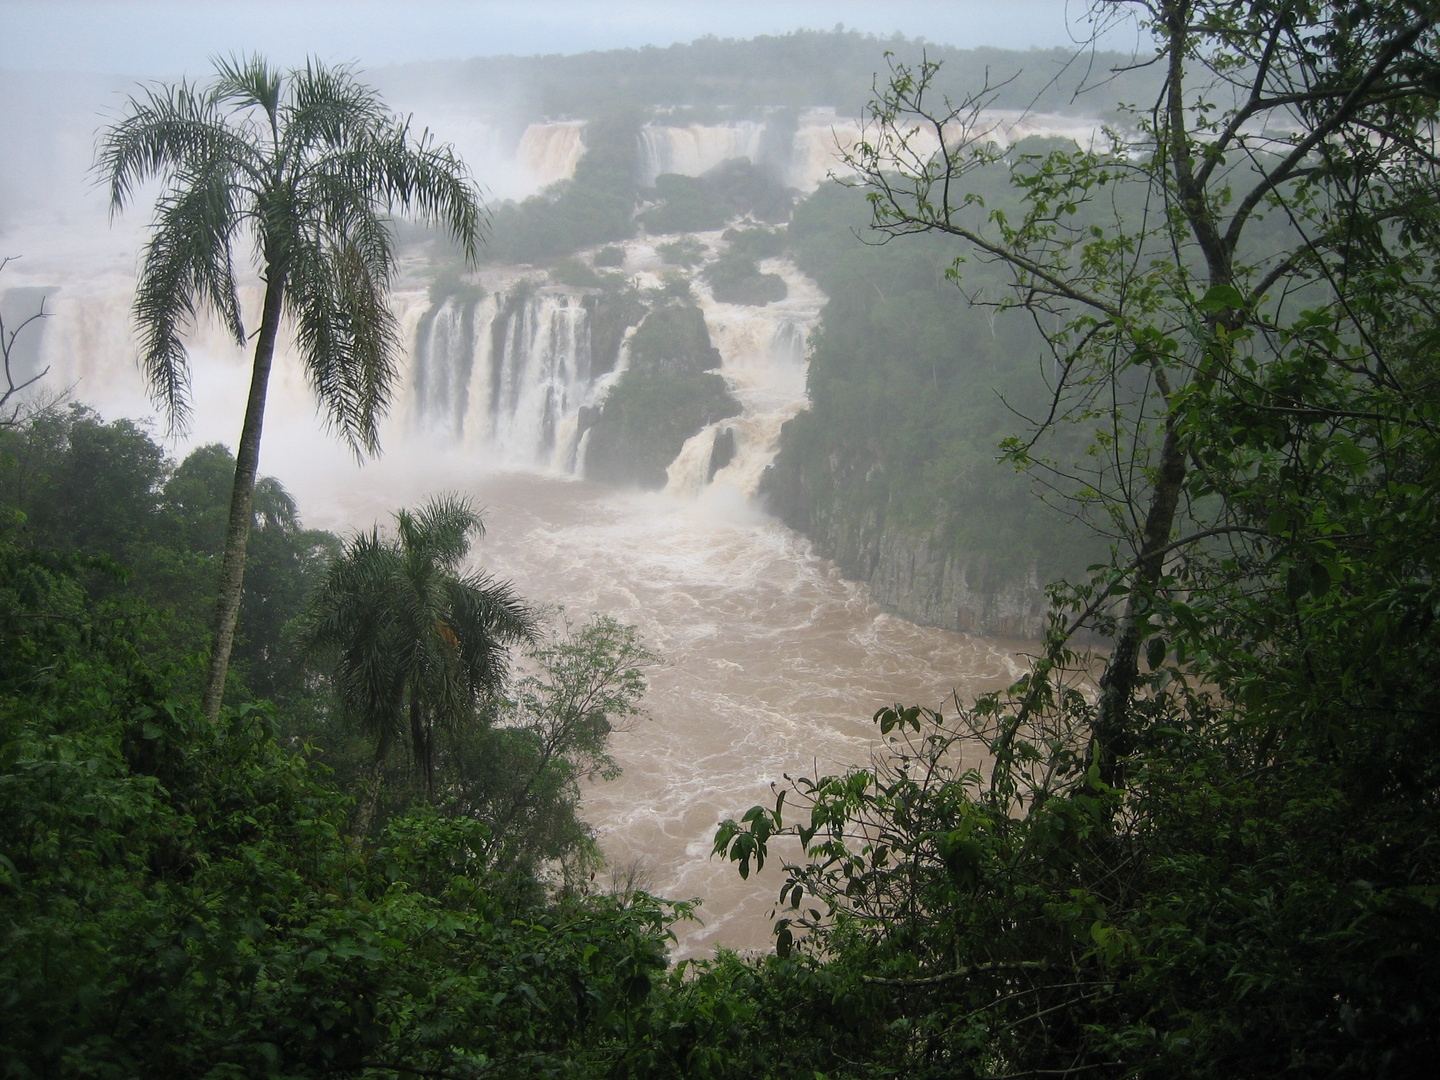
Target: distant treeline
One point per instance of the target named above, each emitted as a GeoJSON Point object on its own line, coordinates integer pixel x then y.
{"type": "Point", "coordinates": [721, 78]}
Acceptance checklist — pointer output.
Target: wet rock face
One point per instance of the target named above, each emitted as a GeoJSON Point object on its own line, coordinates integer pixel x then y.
{"type": "Point", "coordinates": [721, 453]}
{"type": "Point", "coordinates": [915, 575]}
{"type": "Point", "coordinates": [673, 340]}
{"type": "Point", "coordinates": [668, 394]}
{"type": "Point", "coordinates": [611, 317]}
{"type": "Point", "coordinates": [645, 421]}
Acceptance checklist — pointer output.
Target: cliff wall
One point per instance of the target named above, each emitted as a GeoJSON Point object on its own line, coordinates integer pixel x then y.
{"type": "Point", "coordinates": [913, 569]}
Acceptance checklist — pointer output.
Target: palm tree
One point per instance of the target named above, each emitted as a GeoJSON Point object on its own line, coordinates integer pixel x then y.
{"type": "Point", "coordinates": [306, 166]}
{"type": "Point", "coordinates": [415, 645]}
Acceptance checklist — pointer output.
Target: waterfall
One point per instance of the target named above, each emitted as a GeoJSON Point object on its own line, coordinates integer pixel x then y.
{"type": "Point", "coordinates": [550, 152]}
{"type": "Point", "coordinates": [823, 138]}
{"type": "Point", "coordinates": [539, 375]}
{"type": "Point", "coordinates": [763, 363]}
{"type": "Point", "coordinates": [697, 148]}
{"type": "Point", "coordinates": [507, 377]}
{"type": "Point", "coordinates": [506, 165]}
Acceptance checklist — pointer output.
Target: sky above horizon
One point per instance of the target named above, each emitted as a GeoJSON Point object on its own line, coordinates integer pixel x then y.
{"type": "Point", "coordinates": [171, 38]}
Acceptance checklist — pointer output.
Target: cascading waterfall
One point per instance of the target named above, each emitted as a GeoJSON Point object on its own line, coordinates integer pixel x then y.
{"type": "Point", "coordinates": [444, 358]}
{"type": "Point", "coordinates": [763, 364]}
{"type": "Point", "coordinates": [550, 152]}
{"type": "Point", "coordinates": [696, 148]}
{"type": "Point", "coordinates": [539, 376]}
{"type": "Point", "coordinates": [507, 376]}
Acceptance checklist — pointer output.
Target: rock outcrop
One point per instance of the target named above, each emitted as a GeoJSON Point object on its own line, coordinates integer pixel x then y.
{"type": "Point", "coordinates": [912, 572]}
{"type": "Point", "coordinates": [669, 393]}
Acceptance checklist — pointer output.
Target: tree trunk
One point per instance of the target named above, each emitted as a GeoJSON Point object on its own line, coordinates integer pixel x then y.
{"type": "Point", "coordinates": [365, 810]}
{"type": "Point", "coordinates": [1112, 737]}
{"type": "Point", "coordinates": [242, 500]}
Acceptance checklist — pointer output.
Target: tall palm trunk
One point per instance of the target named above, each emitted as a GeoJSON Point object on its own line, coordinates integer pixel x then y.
{"type": "Point", "coordinates": [242, 499]}
{"type": "Point", "coordinates": [422, 738]}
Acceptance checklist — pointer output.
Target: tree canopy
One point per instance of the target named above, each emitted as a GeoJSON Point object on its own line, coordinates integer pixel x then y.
{"type": "Point", "coordinates": [306, 166]}
{"type": "Point", "coordinates": [415, 642]}
{"type": "Point", "coordinates": [1215, 861]}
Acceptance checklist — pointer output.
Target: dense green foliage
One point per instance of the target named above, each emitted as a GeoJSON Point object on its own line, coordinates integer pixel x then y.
{"type": "Point", "coordinates": [1220, 861]}
{"type": "Point", "coordinates": [84, 487]}
{"type": "Point", "coordinates": [595, 206]}
{"type": "Point", "coordinates": [181, 899]}
{"type": "Point", "coordinates": [911, 390]}
{"type": "Point", "coordinates": [735, 276]}
{"type": "Point", "coordinates": [667, 394]}
{"type": "Point", "coordinates": [604, 201]}
{"type": "Point", "coordinates": [673, 338]}
{"type": "Point", "coordinates": [731, 190]}
{"type": "Point", "coordinates": [415, 645]}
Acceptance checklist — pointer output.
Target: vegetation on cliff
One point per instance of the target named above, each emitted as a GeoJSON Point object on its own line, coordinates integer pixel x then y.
{"type": "Point", "coordinates": [910, 392]}
{"type": "Point", "coordinates": [1219, 860]}
{"type": "Point", "coordinates": [717, 79]}
{"type": "Point", "coordinates": [669, 393]}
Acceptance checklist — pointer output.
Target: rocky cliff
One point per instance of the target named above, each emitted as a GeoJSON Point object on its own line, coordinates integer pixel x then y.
{"type": "Point", "coordinates": [669, 393]}
{"type": "Point", "coordinates": [912, 568]}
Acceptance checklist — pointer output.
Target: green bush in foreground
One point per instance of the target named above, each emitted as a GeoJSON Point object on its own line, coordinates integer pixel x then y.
{"type": "Point", "coordinates": [179, 899]}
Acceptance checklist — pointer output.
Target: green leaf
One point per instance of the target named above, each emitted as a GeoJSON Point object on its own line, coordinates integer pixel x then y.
{"type": "Point", "coordinates": [784, 938]}
{"type": "Point", "coordinates": [1221, 297]}
{"type": "Point", "coordinates": [1155, 652]}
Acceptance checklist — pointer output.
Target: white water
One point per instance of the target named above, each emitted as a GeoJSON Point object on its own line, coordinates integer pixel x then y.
{"type": "Point", "coordinates": [509, 392]}
{"type": "Point", "coordinates": [823, 138]}
{"type": "Point", "coordinates": [763, 363]}
{"type": "Point", "coordinates": [506, 167]}
{"type": "Point", "coordinates": [506, 380]}
{"type": "Point", "coordinates": [695, 148]}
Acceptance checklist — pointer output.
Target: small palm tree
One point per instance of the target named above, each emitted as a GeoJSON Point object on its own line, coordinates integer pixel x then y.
{"type": "Point", "coordinates": [415, 645]}
{"type": "Point", "coordinates": [305, 166]}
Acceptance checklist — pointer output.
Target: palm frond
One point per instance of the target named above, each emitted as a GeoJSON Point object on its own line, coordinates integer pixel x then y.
{"type": "Point", "coordinates": [274, 506]}
{"type": "Point", "coordinates": [442, 529]}
{"type": "Point", "coordinates": [167, 128]}
{"type": "Point", "coordinates": [348, 627]}
{"type": "Point", "coordinates": [187, 268]}
{"type": "Point", "coordinates": [330, 109]}
{"type": "Point", "coordinates": [248, 82]}
{"type": "Point", "coordinates": [488, 617]}
{"type": "Point", "coordinates": [428, 179]}
{"type": "Point", "coordinates": [349, 339]}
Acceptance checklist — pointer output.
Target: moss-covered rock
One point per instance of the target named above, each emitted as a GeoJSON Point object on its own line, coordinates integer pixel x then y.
{"type": "Point", "coordinates": [669, 393]}
{"type": "Point", "coordinates": [736, 279]}
{"type": "Point", "coordinates": [674, 339]}
{"type": "Point", "coordinates": [611, 315]}
{"type": "Point", "coordinates": [645, 420]}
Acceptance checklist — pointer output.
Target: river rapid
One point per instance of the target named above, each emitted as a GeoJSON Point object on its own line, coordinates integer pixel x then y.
{"type": "Point", "coordinates": [772, 663]}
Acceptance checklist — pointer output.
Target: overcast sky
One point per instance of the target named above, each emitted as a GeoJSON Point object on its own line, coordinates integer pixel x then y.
{"type": "Point", "coordinates": [169, 38]}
